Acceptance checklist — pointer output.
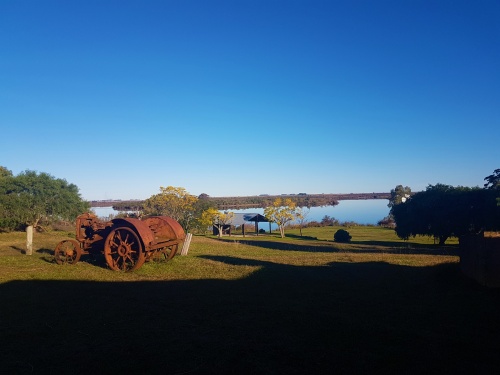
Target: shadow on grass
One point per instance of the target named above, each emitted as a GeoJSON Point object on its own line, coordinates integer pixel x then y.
{"type": "Point", "coordinates": [19, 249]}
{"type": "Point", "coordinates": [363, 247]}
{"type": "Point", "coordinates": [339, 318]}
{"type": "Point", "coordinates": [304, 238]}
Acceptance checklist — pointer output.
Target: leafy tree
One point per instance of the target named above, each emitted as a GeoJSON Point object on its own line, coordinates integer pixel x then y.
{"type": "Point", "coordinates": [281, 212]}
{"type": "Point", "coordinates": [399, 195]}
{"type": "Point", "coordinates": [342, 236]}
{"type": "Point", "coordinates": [214, 217]}
{"type": "Point", "coordinates": [30, 197]}
{"type": "Point", "coordinates": [4, 172]}
{"type": "Point", "coordinates": [198, 224]}
{"type": "Point", "coordinates": [301, 216]}
{"type": "Point", "coordinates": [172, 201]}
{"type": "Point", "coordinates": [493, 180]}
{"type": "Point", "coordinates": [445, 211]}
{"type": "Point", "coordinates": [328, 221]}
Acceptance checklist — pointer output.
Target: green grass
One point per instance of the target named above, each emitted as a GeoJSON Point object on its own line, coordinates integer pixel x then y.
{"type": "Point", "coordinates": [258, 304]}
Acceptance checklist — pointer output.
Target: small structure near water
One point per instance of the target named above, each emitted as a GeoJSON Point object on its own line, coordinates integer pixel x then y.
{"type": "Point", "coordinates": [239, 220]}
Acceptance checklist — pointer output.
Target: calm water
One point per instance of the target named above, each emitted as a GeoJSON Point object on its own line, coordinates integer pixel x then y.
{"type": "Point", "coordinates": [368, 211]}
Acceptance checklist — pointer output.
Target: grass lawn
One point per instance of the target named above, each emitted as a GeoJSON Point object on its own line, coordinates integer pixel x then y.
{"type": "Point", "coordinates": [252, 305]}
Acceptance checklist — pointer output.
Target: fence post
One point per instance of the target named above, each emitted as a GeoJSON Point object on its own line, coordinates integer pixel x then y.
{"type": "Point", "coordinates": [29, 240]}
{"type": "Point", "coordinates": [187, 242]}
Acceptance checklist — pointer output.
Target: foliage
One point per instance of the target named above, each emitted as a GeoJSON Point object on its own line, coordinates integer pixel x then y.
{"type": "Point", "coordinates": [444, 211]}
{"type": "Point", "coordinates": [175, 202]}
{"type": "Point", "coordinates": [301, 217]}
{"type": "Point", "coordinates": [493, 180]}
{"type": "Point", "coordinates": [342, 236]}
{"type": "Point", "coordinates": [281, 212]}
{"type": "Point", "coordinates": [30, 198]}
{"type": "Point", "coordinates": [329, 221]}
{"type": "Point", "coordinates": [4, 172]}
{"type": "Point", "coordinates": [387, 222]}
{"type": "Point", "coordinates": [212, 216]}
{"type": "Point", "coordinates": [305, 200]}
{"type": "Point", "coordinates": [399, 195]}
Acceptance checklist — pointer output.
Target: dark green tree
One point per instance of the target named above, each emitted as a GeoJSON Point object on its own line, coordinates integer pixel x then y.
{"type": "Point", "coordinates": [30, 197]}
{"type": "Point", "coordinates": [342, 236]}
{"type": "Point", "coordinates": [493, 180]}
{"type": "Point", "coordinates": [4, 172]}
{"type": "Point", "coordinates": [445, 211]}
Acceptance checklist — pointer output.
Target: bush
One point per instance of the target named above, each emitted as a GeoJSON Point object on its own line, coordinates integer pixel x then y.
{"type": "Point", "coordinates": [342, 236]}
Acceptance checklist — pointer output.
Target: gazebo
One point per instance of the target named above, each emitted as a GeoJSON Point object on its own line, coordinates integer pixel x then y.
{"type": "Point", "coordinates": [241, 219]}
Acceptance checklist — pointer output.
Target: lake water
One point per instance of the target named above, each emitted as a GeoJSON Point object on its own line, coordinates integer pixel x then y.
{"type": "Point", "coordinates": [368, 211]}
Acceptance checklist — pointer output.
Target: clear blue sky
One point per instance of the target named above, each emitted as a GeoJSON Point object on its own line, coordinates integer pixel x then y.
{"type": "Point", "coordinates": [250, 97]}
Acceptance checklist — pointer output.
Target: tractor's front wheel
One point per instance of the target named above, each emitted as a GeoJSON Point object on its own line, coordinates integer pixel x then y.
{"type": "Point", "coordinates": [67, 252]}
{"type": "Point", "coordinates": [123, 250]}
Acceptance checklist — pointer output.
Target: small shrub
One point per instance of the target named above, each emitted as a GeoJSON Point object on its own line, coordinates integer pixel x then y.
{"type": "Point", "coordinates": [342, 236]}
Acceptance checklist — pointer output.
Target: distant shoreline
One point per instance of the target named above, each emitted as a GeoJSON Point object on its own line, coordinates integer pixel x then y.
{"type": "Point", "coordinates": [264, 200]}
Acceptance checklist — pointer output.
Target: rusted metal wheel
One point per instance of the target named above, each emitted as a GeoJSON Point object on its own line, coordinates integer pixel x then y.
{"type": "Point", "coordinates": [67, 252]}
{"type": "Point", "coordinates": [163, 255]}
{"type": "Point", "coordinates": [123, 250]}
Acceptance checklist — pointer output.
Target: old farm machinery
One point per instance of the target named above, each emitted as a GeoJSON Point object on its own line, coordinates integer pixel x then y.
{"type": "Point", "coordinates": [125, 242]}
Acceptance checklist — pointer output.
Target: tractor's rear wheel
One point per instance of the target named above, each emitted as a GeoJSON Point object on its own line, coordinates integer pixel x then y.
{"type": "Point", "coordinates": [123, 250]}
{"type": "Point", "coordinates": [164, 254]}
{"type": "Point", "coordinates": [67, 252]}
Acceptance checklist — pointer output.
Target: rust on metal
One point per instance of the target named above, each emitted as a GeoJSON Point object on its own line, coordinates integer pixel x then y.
{"type": "Point", "coordinates": [126, 243]}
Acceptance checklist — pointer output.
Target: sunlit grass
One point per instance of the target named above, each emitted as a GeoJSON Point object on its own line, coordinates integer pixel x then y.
{"type": "Point", "coordinates": [293, 305]}
{"type": "Point", "coordinates": [314, 248]}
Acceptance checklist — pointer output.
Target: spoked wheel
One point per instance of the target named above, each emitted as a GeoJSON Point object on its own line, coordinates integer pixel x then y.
{"type": "Point", "coordinates": [123, 250]}
{"type": "Point", "coordinates": [67, 252]}
{"type": "Point", "coordinates": [163, 255]}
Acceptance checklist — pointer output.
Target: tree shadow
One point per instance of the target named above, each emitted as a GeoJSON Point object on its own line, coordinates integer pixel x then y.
{"type": "Point", "coordinates": [353, 246]}
{"type": "Point", "coordinates": [354, 318]}
{"type": "Point", "coordinates": [45, 251]}
{"type": "Point", "coordinates": [303, 238]}
{"type": "Point", "coordinates": [410, 247]}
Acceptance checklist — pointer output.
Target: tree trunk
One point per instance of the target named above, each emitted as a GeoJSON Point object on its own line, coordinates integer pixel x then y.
{"type": "Point", "coordinates": [29, 240]}
{"type": "Point", "coordinates": [282, 231]}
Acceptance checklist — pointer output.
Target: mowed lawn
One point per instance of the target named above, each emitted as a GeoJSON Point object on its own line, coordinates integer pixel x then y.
{"type": "Point", "coordinates": [252, 305]}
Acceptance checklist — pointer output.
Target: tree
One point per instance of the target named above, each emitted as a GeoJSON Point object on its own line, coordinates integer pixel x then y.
{"type": "Point", "coordinates": [4, 172]}
{"type": "Point", "coordinates": [172, 201]}
{"type": "Point", "coordinates": [445, 211]}
{"type": "Point", "coordinates": [30, 197]}
{"type": "Point", "coordinates": [399, 195]}
{"type": "Point", "coordinates": [281, 212]}
{"type": "Point", "coordinates": [328, 221]}
{"type": "Point", "coordinates": [218, 219]}
{"type": "Point", "coordinates": [493, 180]}
{"type": "Point", "coordinates": [301, 216]}
{"type": "Point", "coordinates": [342, 236]}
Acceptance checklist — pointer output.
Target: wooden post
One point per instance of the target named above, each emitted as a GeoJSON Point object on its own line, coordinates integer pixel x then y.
{"type": "Point", "coordinates": [187, 242]}
{"type": "Point", "coordinates": [29, 240]}
{"type": "Point", "coordinates": [243, 229]}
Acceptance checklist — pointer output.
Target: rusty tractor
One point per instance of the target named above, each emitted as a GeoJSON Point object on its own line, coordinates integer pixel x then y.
{"type": "Point", "coordinates": [125, 242]}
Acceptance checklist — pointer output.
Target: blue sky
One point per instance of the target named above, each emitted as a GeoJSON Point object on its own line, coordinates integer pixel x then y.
{"type": "Point", "coordinates": [250, 97]}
